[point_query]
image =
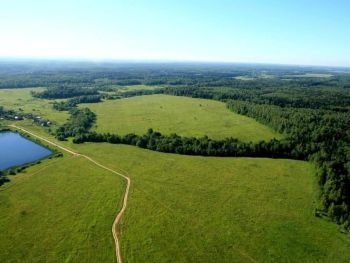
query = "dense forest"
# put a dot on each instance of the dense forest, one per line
(309, 105)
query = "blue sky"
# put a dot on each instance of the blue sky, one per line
(264, 31)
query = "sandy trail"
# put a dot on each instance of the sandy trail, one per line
(125, 198)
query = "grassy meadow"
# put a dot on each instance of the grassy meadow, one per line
(59, 211)
(200, 209)
(181, 115)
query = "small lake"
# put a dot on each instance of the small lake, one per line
(17, 150)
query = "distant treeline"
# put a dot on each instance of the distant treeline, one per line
(63, 92)
(51, 74)
(337, 99)
(77, 95)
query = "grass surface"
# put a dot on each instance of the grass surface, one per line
(59, 211)
(21, 100)
(197, 209)
(181, 115)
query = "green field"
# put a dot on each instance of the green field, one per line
(20, 100)
(59, 211)
(181, 115)
(181, 209)
(197, 209)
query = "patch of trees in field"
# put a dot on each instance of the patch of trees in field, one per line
(205, 146)
(80, 121)
(73, 102)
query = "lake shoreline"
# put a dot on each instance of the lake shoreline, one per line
(34, 152)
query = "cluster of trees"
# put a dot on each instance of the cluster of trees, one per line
(64, 92)
(140, 92)
(80, 121)
(73, 102)
(205, 146)
(10, 114)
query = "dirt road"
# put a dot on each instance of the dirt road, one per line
(126, 194)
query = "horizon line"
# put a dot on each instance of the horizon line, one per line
(159, 61)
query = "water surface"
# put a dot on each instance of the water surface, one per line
(17, 150)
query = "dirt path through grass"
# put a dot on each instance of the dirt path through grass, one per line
(126, 194)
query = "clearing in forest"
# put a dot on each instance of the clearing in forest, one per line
(181, 115)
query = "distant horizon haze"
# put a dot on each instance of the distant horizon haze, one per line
(159, 61)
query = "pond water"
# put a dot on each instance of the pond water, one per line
(17, 150)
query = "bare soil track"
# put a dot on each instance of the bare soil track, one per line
(126, 193)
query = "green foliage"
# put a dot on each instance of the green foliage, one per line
(73, 102)
(205, 146)
(63, 92)
(80, 122)
(334, 98)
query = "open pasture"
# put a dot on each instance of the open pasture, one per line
(182, 115)
(200, 209)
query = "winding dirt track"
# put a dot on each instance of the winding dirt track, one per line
(126, 194)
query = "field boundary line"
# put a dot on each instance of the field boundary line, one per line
(126, 193)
